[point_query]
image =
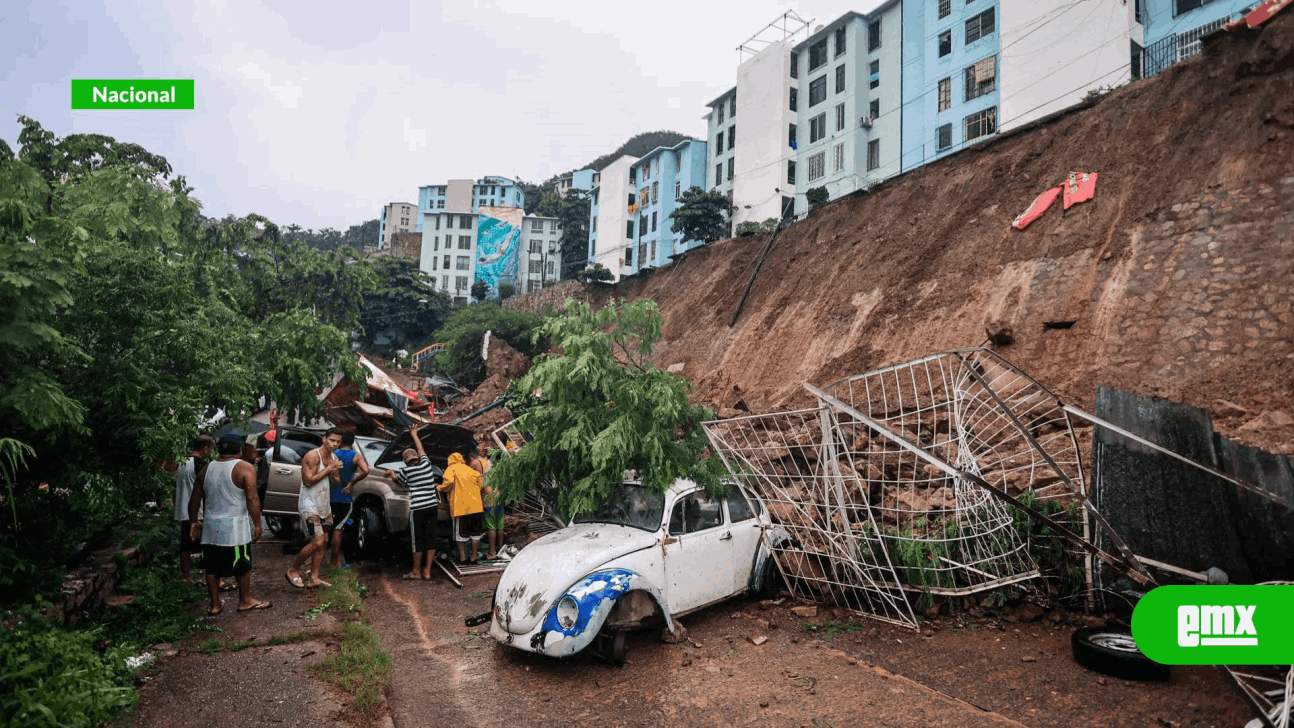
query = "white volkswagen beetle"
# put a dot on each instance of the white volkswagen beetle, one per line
(639, 558)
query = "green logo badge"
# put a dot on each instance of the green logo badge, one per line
(1216, 625)
(132, 94)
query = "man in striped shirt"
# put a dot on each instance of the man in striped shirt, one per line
(419, 478)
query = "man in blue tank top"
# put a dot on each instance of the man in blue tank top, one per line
(354, 468)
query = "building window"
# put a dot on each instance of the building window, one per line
(732, 135)
(647, 171)
(552, 246)
(731, 162)
(840, 41)
(718, 174)
(434, 261)
(536, 266)
(945, 43)
(537, 226)
(817, 55)
(536, 246)
(817, 91)
(629, 229)
(464, 262)
(838, 157)
(642, 226)
(552, 226)
(873, 154)
(720, 110)
(795, 64)
(874, 109)
(444, 282)
(460, 283)
(655, 192)
(945, 136)
(552, 266)
(677, 188)
(718, 145)
(840, 117)
(840, 79)
(446, 263)
(438, 222)
(532, 286)
(981, 78)
(790, 172)
(1185, 6)
(653, 222)
(464, 242)
(979, 26)
(793, 100)
(790, 136)
(629, 255)
(874, 73)
(945, 93)
(594, 227)
(945, 8)
(465, 222)
(816, 166)
(732, 112)
(874, 35)
(656, 161)
(817, 128)
(435, 243)
(981, 123)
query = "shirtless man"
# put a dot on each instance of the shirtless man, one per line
(320, 469)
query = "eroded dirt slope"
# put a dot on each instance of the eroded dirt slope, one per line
(1178, 277)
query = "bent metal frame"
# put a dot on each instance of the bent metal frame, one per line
(899, 483)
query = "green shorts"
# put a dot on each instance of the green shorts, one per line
(493, 517)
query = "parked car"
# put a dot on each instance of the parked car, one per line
(381, 506)
(639, 560)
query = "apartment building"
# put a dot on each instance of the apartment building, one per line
(496, 244)
(449, 251)
(583, 180)
(466, 195)
(721, 137)
(1173, 28)
(849, 120)
(540, 253)
(661, 176)
(396, 217)
(611, 224)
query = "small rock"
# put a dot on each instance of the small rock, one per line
(851, 660)
(1269, 420)
(1028, 658)
(678, 635)
(805, 612)
(675, 368)
(1091, 620)
(1101, 680)
(1222, 408)
(763, 703)
(1029, 612)
(757, 640)
(795, 639)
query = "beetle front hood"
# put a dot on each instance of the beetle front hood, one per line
(544, 570)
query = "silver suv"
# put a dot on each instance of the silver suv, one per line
(381, 506)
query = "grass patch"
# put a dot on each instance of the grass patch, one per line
(345, 597)
(210, 646)
(360, 666)
(480, 594)
(830, 629)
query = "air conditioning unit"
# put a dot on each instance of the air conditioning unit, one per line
(865, 122)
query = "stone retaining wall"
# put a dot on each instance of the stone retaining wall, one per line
(551, 298)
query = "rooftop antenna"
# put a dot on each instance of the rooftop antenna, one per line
(787, 25)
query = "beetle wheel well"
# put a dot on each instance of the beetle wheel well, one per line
(635, 608)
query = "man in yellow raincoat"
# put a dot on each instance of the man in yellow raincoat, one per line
(462, 485)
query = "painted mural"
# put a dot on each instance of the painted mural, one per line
(498, 241)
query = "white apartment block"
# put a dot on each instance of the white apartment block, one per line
(397, 217)
(540, 253)
(611, 229)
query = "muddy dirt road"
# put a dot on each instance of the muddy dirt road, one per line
(980, 672)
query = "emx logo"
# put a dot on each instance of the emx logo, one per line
(1216, 625)
(1219, 623)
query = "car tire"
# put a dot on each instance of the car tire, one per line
(617, 646)
(770, 581)
(1112, 651)
(280, 526)
(368, 530)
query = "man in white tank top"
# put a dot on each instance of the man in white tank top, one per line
(226, 492)
(320, 469)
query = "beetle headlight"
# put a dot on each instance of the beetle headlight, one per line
(568, 611)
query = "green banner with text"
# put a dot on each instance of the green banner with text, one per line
(136, 93)
(1216, 625)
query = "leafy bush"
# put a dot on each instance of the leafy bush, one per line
(466, 327)
(816, 197)
(595, 273)
(59, 677)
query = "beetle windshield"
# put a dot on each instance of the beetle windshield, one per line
(628, 505)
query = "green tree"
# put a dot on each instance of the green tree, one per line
(816, 197)
(594, 274)
(506, 291)
(128, 316)
(573, 216)
(480, 290)
(701, 215)
(605, 409)
(464, 330)
(406, 307)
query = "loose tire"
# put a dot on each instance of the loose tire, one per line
(1113, 652)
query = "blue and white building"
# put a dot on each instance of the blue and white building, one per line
(1173, 28)
(465, 195)
(581, 180)
(661, 176)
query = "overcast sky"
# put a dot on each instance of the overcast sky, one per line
(318, 113)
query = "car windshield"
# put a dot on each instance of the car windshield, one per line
(628, 505)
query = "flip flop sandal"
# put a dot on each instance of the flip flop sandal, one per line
(258, 605)
(295, 581)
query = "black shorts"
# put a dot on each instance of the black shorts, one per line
(187, 544)
(469, 527)
(226, 560)
(422, 529)
(341, 515)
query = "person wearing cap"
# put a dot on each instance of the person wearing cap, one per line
(419, 479)
(320, 469)
(225, 492)
(185, 474)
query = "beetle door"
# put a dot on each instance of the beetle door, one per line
(745, 536)
(699, 562)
